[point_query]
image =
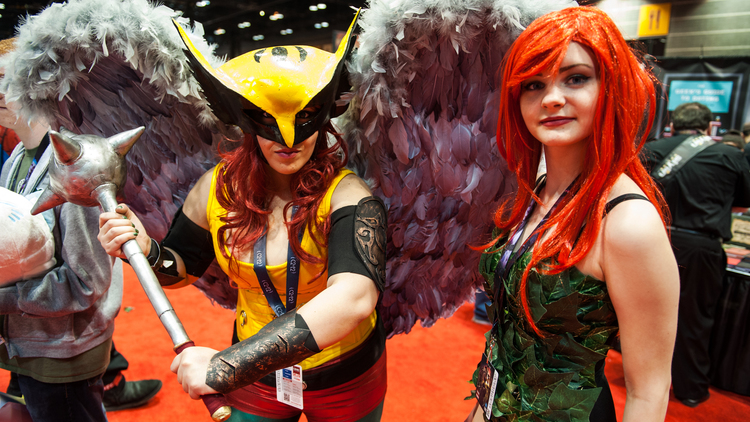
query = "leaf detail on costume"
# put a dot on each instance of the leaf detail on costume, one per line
(551, 378)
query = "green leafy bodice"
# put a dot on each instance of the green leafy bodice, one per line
(550, 378)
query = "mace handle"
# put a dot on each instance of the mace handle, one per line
(216, 403)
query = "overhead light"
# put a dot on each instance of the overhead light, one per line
(220, 31)
(262, 13)
(313, 8)
(2, 5)
(286, 31)
(324, 24)
(276, 16)
(321, 6)
(318, 26)
(202, 3)
(243, 25)
(258, 37)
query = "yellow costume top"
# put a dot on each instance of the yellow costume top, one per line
(253, 311)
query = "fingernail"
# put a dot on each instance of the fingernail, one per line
(125, 217)
(119, 207)
(132, 224)
(136, 232)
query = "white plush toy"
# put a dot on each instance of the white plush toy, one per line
(27, 247)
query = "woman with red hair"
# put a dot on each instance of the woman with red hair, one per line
(582, 251)
(300, 237)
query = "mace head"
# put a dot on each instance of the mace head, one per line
(84, 166)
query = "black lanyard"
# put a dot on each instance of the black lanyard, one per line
(508, 257)
(292, 275)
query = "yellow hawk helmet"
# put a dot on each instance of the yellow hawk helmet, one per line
(284, 93)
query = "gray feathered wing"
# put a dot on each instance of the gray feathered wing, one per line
(421, 130)
(102, 67)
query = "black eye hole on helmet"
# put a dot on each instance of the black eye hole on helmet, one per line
(258, 115)
(307, 114)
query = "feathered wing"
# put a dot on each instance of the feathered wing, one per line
(421, 130)
(105, 66)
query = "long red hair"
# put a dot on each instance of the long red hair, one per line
(624, 114)
(242, 190)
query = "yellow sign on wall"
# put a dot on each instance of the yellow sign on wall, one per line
(653, 20)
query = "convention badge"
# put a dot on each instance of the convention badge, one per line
(487, 383)
(289, 386)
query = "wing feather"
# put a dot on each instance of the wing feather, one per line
(104, 66)
(427, 71)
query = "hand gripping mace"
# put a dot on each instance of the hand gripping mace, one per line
(89, 170)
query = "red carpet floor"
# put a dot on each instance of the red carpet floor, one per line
(428, 369)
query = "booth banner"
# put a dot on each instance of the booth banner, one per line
(721, 83)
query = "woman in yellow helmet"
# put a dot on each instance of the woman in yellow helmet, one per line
(301, 237)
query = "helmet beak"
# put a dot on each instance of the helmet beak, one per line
(286, 127)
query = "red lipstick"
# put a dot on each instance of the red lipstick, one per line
(556, 121)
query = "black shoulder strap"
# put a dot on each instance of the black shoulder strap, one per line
(622, 198)
(679, 156)
(539, 180)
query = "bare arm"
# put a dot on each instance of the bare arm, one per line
(643, 282)
(349, 298)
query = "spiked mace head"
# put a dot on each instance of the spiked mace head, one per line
(84, 167)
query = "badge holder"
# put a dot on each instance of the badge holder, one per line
(487, 383)
(289, 386)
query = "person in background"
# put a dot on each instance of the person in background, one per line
(59, 324)
(746, 134)
(8, 141)
(582, 252)
(734, 138)
(712, 179)
(481, 300)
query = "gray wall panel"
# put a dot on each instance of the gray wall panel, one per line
(697, 27)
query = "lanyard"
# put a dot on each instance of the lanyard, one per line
(292, 275)
(508, 258)
(39, 152)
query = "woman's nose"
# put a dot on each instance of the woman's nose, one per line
(553, 97)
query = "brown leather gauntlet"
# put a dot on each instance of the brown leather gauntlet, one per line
(285, 341)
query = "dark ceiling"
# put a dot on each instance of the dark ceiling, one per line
(228, 14)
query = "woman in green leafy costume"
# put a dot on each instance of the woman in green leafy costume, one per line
(581, 252)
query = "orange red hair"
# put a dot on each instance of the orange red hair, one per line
(624, 115)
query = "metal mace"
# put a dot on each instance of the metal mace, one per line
(88, 170)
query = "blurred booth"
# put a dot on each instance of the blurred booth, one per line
(730, 340)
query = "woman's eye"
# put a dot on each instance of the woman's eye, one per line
(532, 86)
(578, 79)
(267, 118)
(261, 116)
(307, 114)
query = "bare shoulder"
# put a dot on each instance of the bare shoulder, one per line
(197, 200)
(632, 226)
(349, 191)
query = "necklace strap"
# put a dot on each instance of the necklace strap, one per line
(292, 275)
(510, 255)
